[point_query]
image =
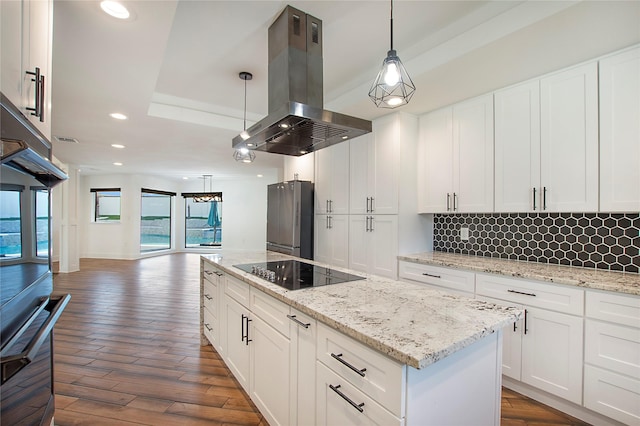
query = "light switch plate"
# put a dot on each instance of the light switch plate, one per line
(464, 234)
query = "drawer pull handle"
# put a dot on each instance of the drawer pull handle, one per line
(346, 398)
(218, 273)
(207, 272)
(431, 275)
(521, 292)
(208, 326)
(339, 358)
(297, 321)
(208, 297)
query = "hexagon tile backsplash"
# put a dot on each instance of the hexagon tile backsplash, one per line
(591, 240)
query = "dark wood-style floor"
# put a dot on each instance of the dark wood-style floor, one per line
(128, 352)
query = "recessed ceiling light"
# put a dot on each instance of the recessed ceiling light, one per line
(185, 178)
(259, 175)
(115, 9)
(118, 116)
(117, 145)
(117, 164)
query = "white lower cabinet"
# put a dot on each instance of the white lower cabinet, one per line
(543, 350)
(439, 278)
(341, 403)
(373, 244)
(303, 368)
(237, 355)
(332, 240)
(612, 356)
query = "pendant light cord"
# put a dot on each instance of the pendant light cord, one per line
(244, 122)
(391, 25)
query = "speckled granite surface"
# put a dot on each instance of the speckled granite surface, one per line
(415, 325)
(621, 282)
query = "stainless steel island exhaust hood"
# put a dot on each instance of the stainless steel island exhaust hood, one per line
(297, 123)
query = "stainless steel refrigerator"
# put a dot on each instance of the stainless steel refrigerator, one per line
(290, 218)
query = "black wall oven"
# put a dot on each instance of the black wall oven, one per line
(28, 309)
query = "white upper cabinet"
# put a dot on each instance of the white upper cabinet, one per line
(569, 140)
(517, 148)
(620, 132)
(435, 162)
(27, 34)
(332, 175)
(456, 153)
(473, 155)
(374, 168)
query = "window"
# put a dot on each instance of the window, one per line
(10, 223)
(203, 223)
(106, 205)
(41, 218)
(155, 220)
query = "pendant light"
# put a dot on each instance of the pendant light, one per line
(205, 196)
(243, 153)
(393, 86)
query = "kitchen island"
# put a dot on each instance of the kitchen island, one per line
(368, 351)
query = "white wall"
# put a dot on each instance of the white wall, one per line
(244, 214)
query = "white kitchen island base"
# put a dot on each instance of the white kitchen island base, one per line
(463, 389)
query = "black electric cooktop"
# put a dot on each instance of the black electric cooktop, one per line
(295, 275)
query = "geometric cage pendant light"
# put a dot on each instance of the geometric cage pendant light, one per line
(243, 153)
(392, 87)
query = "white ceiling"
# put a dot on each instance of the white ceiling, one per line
(173, 68)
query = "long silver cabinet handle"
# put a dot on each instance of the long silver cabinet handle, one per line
(371, 210)
(534, 198)
(346, 398)
(448, 202)
(297, 321)
(342, 361)
(521, 292)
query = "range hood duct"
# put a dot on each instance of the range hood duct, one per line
(297, 123)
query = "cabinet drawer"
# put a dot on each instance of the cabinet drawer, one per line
(532, 293)
(618, 308)
(373, 373)
(210, 327)
(271, 310)
(210, 297)
(210, 272)
(612, 394)
(237, 290)
(336, 398)
(612, 346)
(443, 277)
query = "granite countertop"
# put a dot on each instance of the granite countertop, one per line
(412, 324)
(621, 282)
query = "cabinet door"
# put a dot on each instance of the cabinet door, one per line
(270, 372)
(473, 155)
(339, 201)
(383, 246)
(359, 242)
(517, 148)
(37, 19)
(332, 240)
(11, 45)
(322, 187)
(552, 353)
(322, 250)
(237, 351)
(620, 132)
(435, 162)
(384, 164)
(359, 191)
(303, 368)
(569, 140)
(511, 343)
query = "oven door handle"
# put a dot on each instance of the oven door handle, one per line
(11, 365)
